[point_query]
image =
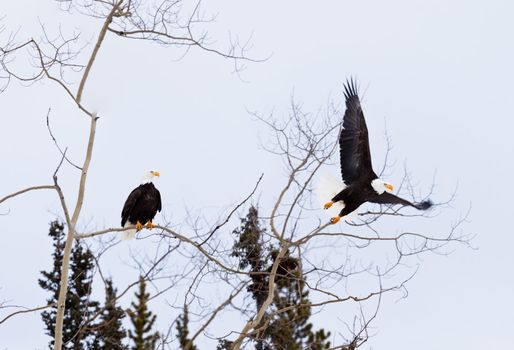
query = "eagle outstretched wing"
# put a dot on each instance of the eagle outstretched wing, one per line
(130, 203)
(389, 198)
(353, 140)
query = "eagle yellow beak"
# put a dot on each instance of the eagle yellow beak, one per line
(389, 187)
(156, 173)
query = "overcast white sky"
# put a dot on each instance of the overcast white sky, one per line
(440, 72)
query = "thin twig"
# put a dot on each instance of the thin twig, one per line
(63, 153)
(233, 211)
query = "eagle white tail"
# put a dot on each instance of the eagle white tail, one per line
(328, 186)
(129, 234)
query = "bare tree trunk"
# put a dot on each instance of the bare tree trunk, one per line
(63, 285)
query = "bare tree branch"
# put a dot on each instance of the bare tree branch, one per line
(33, 188)
(271, 288)
(38, 308)
(214, 313)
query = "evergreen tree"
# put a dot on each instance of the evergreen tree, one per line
(142, 320)
(224, 344)
(77, 335)
(183, 331)
(288, 330)
(78, 302)
(291, 329)
(251, 253)
(110, 332)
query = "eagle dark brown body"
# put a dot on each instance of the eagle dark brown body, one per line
(141, 205)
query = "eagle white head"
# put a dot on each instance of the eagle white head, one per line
(380, 186)
(149, 176)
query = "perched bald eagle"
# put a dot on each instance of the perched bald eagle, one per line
(141, 206)
(361, 184)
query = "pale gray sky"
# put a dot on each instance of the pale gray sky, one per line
(440, 73)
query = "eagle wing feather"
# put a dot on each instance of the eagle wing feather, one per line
(355, 155)
(389, 198)
(130, 203)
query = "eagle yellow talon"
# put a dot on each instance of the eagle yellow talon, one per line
(149, 225)
(328, 205)
(139, 226)
(335, 219)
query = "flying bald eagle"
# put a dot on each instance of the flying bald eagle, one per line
(141, 205)
(361, 184)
